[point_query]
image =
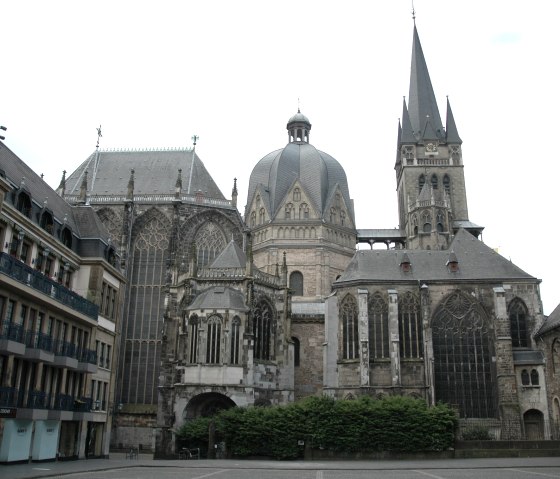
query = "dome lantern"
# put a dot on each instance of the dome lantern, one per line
(298, 128)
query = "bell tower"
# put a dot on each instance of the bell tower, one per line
(429, 165)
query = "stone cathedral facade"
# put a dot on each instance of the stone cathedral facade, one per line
(223, 310)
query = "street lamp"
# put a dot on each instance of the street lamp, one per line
(2, 127)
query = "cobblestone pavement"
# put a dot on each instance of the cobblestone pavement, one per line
(118, 467)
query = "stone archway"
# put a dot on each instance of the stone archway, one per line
(206, 405)
(534, 425)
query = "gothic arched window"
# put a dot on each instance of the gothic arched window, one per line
(426, 222)
(556, 356)
(534, 377)
(304, 211)
(297, 194)
(210, 241)
(440, 222)
(296, 351)
(288, 211)
(262, 216)
(463, 367)
(350, 338)
(525, 381)
(253, 221)
(518, 323)
(213, 339)
(378, 314)
(296, 283)
(235, 337)
(447, 183)
(410, 327)
(434, 181)
(262, 330)
(421, 182)
(193, 339)
(333, 215)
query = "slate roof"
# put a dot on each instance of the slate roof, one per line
(476, 262)
(529, 356)
(421, 97)
(82, 220)
(88, 224)
(15, 169)
(318, 173)
(155, 172)
(551, 322)
(220, 297)
(231, 257)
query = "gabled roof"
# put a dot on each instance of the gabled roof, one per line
(551, 322)
(155, 172)
(476, 262)
(220, 297)
(231, 257)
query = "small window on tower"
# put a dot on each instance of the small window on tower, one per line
(434, 182)
(421, 181)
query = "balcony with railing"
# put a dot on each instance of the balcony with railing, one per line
(65, 354)
(87, 360)
(23, 273)
(39, 346)
(12, 338)
(8, 397)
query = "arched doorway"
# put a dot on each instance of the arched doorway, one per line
(206, 405)
(534, 425)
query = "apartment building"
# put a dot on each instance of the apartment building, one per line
(60, 303)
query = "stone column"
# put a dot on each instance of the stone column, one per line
(363, 329)
(508, 401)
(394, 346)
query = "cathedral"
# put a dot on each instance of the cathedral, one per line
(227, 310)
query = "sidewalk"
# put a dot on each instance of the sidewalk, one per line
(118, 461)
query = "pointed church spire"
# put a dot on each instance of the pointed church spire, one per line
(61, 190)
(407, 134)
(234, 193)
(422, 105)
(450, 127)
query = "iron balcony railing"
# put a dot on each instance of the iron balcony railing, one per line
(12, 332)
(64, 348)
(25, 274)
(87, 356)
(32, 399)
(38, 340)
(8, 397)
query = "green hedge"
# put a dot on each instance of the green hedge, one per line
(395, 423)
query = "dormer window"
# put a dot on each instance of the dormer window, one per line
(47, 222)
(66, 237)
(452, 263)
(406, 266)
(23, 203)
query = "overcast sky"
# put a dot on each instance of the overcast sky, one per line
(155, 73)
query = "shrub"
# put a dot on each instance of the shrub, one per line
(476, 433)
(363, 425)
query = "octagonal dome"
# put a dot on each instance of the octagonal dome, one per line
(318, 173)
